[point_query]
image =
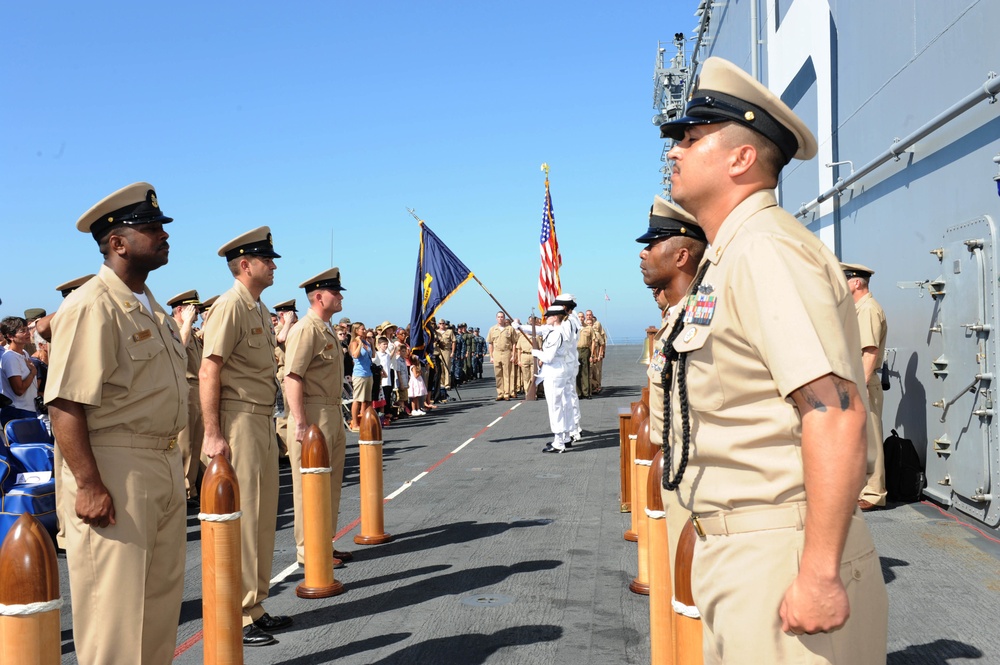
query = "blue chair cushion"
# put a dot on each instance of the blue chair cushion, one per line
(26, 430)
(32, 456)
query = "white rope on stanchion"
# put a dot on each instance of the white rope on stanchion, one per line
(656, 514)
(644, 462)
(227, 517)
(689, 611)
(318, 469)
(370, 443)
(30, 608)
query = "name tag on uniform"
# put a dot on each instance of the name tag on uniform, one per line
(256, 331)
(699, 309)
(142, 334)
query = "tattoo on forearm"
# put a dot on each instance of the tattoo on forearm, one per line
(843, 391)
(813, 399)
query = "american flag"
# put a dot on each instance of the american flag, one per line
(548, 277)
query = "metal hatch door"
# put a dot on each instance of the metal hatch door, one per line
(964, 424)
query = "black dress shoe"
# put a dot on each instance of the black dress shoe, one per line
(255, 637)
(551, 449)
(343, 556)
(268, 623)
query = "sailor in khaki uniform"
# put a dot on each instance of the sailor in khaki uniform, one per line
(185, 308)
(767, 444)
(314, 376)
(600, 346)
(674, 247)
(117, 398)
(238, 392)
(444, 342)
(871, 323)
(500, 342)
(286, 316)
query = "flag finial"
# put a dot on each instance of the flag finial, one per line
(545, 168)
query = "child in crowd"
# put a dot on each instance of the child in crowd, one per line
(383, 358)
(417, 387)
(402, 377)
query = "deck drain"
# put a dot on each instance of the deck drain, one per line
(548, 475)
(487, 600)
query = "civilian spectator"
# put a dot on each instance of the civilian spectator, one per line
(18, 373)
(361, 352)
(417, 388)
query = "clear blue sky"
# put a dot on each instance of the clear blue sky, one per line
(325, 121)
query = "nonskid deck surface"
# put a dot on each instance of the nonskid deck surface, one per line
(505, 555)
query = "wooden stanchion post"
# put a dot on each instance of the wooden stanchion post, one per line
(640, 413)
(221, 584)
(644, 452)
(29, 595)
(687, 621)
(625, 484)
(317, 518)
(661, 614)
(372, 516)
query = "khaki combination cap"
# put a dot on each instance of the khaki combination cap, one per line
(72, 285)
(286, 306)
(33, 313)
(130, 206)
(208, 302)
(185, 298)
(856, 270)
(328, 279)
(668, 219)
(252, 243)
(723, 92)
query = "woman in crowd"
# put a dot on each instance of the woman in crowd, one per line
(17, 372)
(361, 352)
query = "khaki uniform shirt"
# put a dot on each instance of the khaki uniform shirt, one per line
(240, 333)
(193, 348)
(773, 313)
(600, 336)
(123, 364)
(586, 338)
(523, 345)
(502, 339)
(444, 340)
(314, 354)
(873, 328)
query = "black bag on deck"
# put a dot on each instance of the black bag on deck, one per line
(904, 475)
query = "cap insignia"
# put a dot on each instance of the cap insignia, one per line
(749, 116)
(152, 200)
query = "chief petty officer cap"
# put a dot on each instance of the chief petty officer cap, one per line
(724, 92)
(856, 270)
(566, 299)
(555, 309)
(207, 303)
(129, 206)
(33, 313)
(667, 219)
(186, 298)
(287, 306)
(328, 279)
(72, 285)
(252, 243)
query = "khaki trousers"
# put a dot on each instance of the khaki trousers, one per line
(525, 367)
(445, 367)
(189, 441)
(583, 372)
(874, 491)
(331, 424)
(127, 580)
(503, 368)
(596, 369)
(739, 580)
(255, 460)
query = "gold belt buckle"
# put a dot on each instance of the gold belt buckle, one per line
(697, 526)
(170, 445)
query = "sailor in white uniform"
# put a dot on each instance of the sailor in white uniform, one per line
(558, 374)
